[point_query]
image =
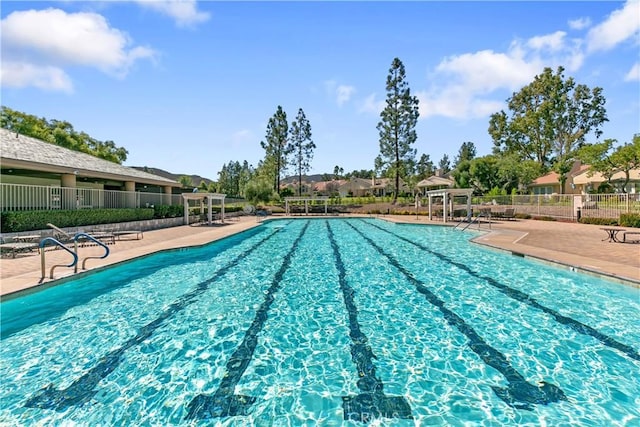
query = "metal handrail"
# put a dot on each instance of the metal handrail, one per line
(93, 239)
(42, 257)
(474, 220)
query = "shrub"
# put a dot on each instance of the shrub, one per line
(11, 221)
(630, 220)
(598, 221)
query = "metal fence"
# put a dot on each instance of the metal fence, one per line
(17, 197)
(567, 206)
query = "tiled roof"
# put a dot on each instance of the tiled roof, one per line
(550, 178)
(26, 149)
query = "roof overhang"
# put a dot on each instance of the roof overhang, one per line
(79, 172)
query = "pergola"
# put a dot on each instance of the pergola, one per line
(306, 201)
(447, 200)
(201, 196)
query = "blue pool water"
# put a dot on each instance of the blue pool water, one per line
(325, 322)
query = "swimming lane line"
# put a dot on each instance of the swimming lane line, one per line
(527, 299)
(83, 389)
(224, 402)
(519, 393)
(372, 402)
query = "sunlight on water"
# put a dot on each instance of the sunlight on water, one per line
(325, 322)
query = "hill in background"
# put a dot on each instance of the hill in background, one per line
(195, 179)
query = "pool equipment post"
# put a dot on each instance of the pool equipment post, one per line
(372, 402)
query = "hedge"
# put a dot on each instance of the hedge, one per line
(630, 220)
(14, 221)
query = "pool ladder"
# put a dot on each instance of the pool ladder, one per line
(470, 220)
(73, 253)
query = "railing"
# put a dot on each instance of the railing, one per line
(93, 239)
(566, 206)
(18, 197)
(43, 243)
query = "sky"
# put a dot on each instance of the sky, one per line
(188, 86)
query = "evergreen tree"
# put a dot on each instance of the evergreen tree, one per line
(277, 147)
(302, 146)
(467, 152)
(397, 127)
(444, 164)
(424, 167)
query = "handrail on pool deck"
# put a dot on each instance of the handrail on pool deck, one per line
(42, 260)
(93, 239)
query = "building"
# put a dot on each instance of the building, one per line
(26, 161)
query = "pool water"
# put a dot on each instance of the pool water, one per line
(325, 322)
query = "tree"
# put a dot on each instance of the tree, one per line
(258, 192)
(276, 146)
(337, 172)
(397, 127)
(601, 158)
(467, 152)
(302, 146)
(550, 119)
(185, 181)
(516, 174)
(60, 133)
(444, 164)
(424, 167)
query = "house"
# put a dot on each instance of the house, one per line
(436, 182)
(550, 183)
(581, 180)
(29, 161)
(589, 182)
(377, 187)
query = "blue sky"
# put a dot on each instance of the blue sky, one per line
(188, 86)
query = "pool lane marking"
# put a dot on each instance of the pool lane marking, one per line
(83, 389)
(527, 299)
(224, 402)
(519, 393)
(371, 402)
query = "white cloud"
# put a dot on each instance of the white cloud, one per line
(185, 12)
(621, 25)
(50, 39)
(553, 42)
(371, 105)
(463, 86)
(580, 23)
(634, 73)
(344, 93)
(19, 75)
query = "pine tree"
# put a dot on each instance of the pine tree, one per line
(397, 126)
(276, 146)
(302, 146)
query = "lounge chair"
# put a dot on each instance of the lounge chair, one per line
(9, 245)
(509, 214)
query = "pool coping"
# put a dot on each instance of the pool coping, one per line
(498, 238)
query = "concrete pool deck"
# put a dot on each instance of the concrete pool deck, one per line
(580, 246)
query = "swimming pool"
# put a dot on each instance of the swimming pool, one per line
(325, 322)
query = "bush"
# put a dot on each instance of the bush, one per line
(598, 221)
(11, 221)
(630, 220)
(168, 211)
